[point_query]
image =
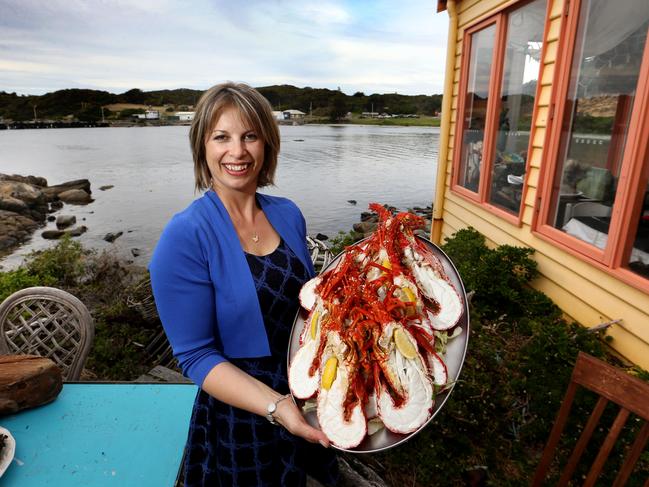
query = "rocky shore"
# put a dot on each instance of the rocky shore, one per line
(26, 203)
(368, 222)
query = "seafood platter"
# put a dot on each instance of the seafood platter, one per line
(381, 338)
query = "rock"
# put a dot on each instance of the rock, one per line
(111, 237)
(75, 232)
(105, 187)
(321, 236)
(75, 196)
(136, 252)
(364, 227)
(55, 206)
(15, 228)
(367, 216)
(352, 202)
(56, 234)
(51, 218)
(27, 381)
(53, 192)
(33, 180)
(355, 473)
(52, 234)
(64, 221)
(30, 194)
(13, 204)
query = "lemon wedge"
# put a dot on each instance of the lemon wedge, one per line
(314, 324)
(329, 373)
(404, 345)
(407, 296)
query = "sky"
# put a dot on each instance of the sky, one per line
(372, 46)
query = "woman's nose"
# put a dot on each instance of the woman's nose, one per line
(238, 148)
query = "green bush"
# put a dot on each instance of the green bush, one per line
(63, 264)
(342, 240)
(18, 279)
(102, 282)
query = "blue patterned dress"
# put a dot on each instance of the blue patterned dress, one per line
(231, 447)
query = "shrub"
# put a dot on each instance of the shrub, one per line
(342, 240)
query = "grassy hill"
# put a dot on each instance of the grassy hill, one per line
(86, 105)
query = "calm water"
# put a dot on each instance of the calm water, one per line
(320, 168)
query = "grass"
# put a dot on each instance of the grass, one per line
(422, 121)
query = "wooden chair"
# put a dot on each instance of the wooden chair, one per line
(611, 384)
(48, 322)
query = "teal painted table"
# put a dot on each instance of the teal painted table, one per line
(102, 434)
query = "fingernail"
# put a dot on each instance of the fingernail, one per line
(323, 444)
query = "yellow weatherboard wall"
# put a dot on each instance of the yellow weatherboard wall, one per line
(585, 293)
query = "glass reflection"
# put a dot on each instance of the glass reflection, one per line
(475, 108)
(518, 90)
(604, 75)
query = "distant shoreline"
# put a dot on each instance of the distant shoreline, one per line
(49, 124)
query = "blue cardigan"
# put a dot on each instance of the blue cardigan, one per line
(203, 288)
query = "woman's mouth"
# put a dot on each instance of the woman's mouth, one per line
(237, 169)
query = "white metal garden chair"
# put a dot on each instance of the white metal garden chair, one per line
(48, 322)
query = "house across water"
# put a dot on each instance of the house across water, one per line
(545, 144)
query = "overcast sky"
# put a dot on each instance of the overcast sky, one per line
(374, 46)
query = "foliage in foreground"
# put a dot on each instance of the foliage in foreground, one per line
(519, 360)
(102, 282)
(497, 420)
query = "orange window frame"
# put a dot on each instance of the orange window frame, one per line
(634, 173)
(499, 19)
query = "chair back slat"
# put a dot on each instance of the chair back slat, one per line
(584, 438)
(612, 385)
(555, 435)
(633, 456)
(606, 448)
(48, 322)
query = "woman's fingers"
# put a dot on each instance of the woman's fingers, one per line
(291, 418)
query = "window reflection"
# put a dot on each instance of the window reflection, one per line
(475, 109)
(604, 75)
(518, 90)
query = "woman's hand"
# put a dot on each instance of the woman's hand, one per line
(289, 416)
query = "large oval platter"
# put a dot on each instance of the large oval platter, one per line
(454, 359)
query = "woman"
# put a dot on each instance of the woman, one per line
(225, 276)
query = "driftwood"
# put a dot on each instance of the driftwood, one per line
(27, 381)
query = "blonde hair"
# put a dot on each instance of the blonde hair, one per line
(253, 108)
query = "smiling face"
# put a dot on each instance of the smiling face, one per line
(234, 152)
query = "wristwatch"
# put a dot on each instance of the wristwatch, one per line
(272, 407)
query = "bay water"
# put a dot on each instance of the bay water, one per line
(321, 168)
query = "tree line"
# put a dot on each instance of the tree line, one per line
(86, 105)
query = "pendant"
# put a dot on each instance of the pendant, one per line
(255, 238)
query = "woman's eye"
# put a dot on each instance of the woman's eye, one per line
(250, 137)
(219, 137)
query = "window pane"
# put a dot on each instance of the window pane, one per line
(475, 109)
(518, 90)
(604, 76)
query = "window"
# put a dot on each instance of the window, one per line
(590, 202)
(497, 106)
